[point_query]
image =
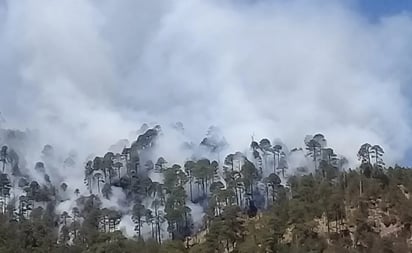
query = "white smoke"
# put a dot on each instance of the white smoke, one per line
(85, 73)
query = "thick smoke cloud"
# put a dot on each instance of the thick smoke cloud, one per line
(85, 74)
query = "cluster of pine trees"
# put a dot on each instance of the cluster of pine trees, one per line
(252, 201)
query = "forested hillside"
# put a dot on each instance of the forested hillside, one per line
(268, 198)
(205, 126)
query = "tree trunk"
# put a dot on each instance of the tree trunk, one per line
(89, 184)
(186, 221)
(274, 162)
(206, 190)
(158, 239)
(140, 227)
(360, 186)
(105, 174)
(336, 220)
(273, 194)
(376, 158)
(191, 190)
(156, 234)
(251, 189)
(240, 198)
(327, 221)
(369, 156)
(203, 187)
(158, 230)
(278, 160)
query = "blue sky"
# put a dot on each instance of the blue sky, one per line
(375, 9)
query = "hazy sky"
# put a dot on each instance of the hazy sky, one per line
(375, 10)
(85, 73)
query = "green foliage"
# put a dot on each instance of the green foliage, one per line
(322, 208)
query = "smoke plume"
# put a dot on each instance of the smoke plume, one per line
(81, 75)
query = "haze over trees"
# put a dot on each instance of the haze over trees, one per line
(244, 202)
(80, 176)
